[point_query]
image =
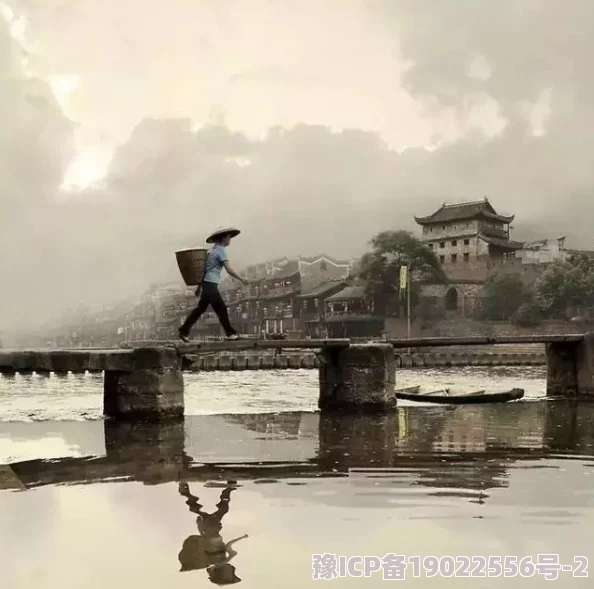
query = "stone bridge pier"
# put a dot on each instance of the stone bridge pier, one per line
(151, 386)
(357, 378)
(570, 368)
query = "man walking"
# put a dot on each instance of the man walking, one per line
(216, 260)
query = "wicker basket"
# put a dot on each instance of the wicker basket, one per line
(191, 265)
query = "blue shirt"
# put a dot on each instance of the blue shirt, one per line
(214, 264)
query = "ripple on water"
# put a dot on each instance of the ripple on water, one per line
(79, 397)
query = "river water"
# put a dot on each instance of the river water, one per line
(90, 504)
(75, 397)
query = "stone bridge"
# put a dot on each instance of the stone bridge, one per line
(147, 382)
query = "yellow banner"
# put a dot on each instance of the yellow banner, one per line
(403, 277)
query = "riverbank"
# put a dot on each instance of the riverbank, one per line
(309, 361)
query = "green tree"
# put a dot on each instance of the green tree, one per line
(381, 268)
(529, 314)
(566, 286)
(504, 294)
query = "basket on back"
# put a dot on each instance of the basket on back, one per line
(191, 264)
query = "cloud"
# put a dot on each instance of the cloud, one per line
(35, 147)
(301, 122)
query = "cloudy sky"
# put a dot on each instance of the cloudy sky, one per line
(134, 127)
(249, 65)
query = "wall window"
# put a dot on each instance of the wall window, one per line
(466, 257)
(467, 242)
(442, 244)
(442, 259)
(454, 258)
(454, 243)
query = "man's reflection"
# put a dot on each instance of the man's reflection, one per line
(208, 550)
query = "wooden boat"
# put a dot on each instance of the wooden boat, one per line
(449, 396)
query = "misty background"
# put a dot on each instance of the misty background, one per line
(131, 129)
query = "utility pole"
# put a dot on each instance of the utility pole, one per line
(408, 302)
(405, 287)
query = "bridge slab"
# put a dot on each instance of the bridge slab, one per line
(68, 360)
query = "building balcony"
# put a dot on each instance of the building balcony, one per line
(361, 317)
(348, 313)
(280, 291)
(278, 315)
(312, 316)
(245, 316)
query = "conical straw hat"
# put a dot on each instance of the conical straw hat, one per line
(221, 231)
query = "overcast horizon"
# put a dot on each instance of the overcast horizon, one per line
(132, 129)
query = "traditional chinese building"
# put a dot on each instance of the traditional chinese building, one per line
(140, 320)
(471, 240)
(312, 308)
(281, 307)
(271, 303)
(466, 236)
(350, 313)
(277, 303)
(170, 310)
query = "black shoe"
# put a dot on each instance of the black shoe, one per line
(182, 336)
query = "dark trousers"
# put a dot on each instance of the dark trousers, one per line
(209, 296)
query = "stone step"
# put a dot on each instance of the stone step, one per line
(308, 361)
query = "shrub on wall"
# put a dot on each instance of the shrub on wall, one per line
(566, 285)
(429, 310)
(528, 315)
(504, 294)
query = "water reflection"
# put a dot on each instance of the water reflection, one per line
(464, 448)
(469, 479)
(208, 550)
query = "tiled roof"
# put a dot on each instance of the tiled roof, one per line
(504, 243)
(289, 269)
(313, 259)
(465, 210)
(321, 289)
(350, 292)
(280, 294)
